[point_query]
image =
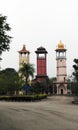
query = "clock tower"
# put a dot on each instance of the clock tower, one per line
(61, 68)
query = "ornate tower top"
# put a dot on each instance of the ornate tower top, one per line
(23, 56)
(23, 50)
(60, 46)
(41, 50)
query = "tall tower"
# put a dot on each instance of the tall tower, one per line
(23, 56)
(41, 64)
(61, 69)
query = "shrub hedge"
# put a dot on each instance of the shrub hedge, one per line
(23, 97)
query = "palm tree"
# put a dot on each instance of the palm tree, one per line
(26, 71)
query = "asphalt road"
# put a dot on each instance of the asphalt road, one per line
(54, 113)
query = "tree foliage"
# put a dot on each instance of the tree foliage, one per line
(5, 39)
(74, 85)
(9, 81)
(75, 73)
(26, 71)
(52, 86)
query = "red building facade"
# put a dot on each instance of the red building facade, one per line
(41, 64)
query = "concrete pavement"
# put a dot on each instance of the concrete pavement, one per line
(54, 113)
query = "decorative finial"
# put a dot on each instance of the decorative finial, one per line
(60, 45)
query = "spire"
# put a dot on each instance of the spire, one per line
(60, 45)
(23, 50)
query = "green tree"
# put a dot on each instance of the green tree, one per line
(75, 73)
(9, 81)
(52, 85)
(5, 39)
(26, 71)
(69, 84)
(37, 87)
(75, 79)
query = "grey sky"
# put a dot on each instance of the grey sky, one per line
(41, 23)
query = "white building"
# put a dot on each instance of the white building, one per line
(61, 68)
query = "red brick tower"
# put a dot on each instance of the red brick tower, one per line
(41, 64)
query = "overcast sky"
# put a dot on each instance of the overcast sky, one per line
(38, 23)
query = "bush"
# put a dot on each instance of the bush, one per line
(23, 97)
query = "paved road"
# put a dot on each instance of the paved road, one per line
(54, 113)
